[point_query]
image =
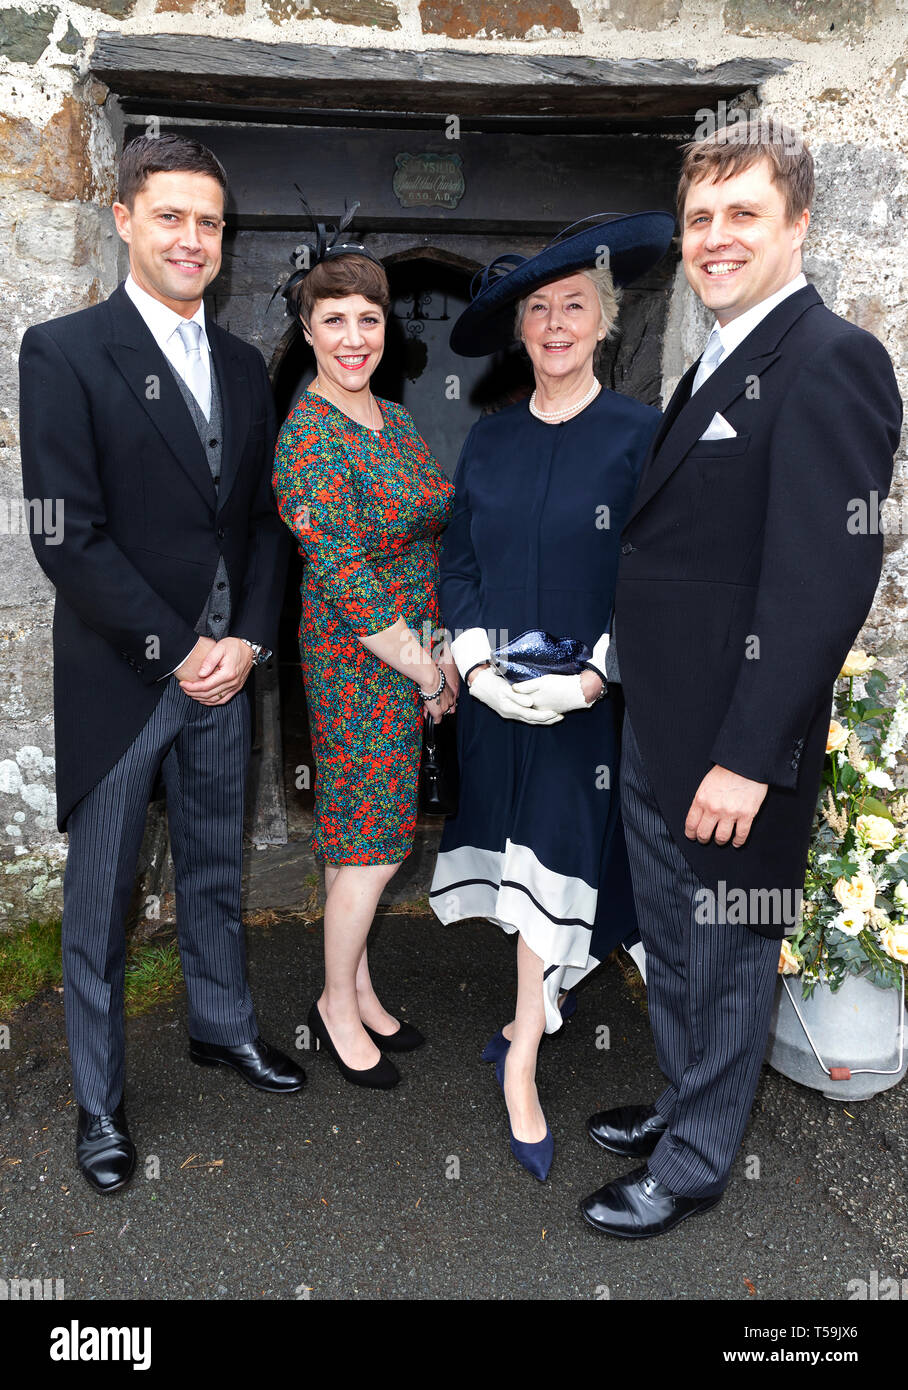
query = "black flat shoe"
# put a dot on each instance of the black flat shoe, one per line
(381, 1077)
(639, 1205)
(262, 1065)
(104, 1151)
(406, 1039)
(631, 1130)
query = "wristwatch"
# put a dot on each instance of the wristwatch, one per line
(260, 654)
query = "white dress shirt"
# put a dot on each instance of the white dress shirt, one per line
(730, 336)
(163, 324)
(734, 333)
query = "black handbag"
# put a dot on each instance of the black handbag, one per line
(439, 775)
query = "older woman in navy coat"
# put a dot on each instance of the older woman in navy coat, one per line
(542, 491)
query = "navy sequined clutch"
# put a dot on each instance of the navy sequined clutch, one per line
(537, 653)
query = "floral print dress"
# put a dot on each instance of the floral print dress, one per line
(366, 507)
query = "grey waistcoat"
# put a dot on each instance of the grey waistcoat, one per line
(214, 619)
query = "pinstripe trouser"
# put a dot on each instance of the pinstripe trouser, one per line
(202, 752)
(710, 989)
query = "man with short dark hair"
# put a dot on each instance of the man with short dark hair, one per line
(741, 589)
(156, 429)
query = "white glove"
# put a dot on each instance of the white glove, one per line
(493, 690)
(561, 693)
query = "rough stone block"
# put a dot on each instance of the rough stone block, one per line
(853, 177)
(810, 20)
(466, 19)
(118, 8)
(377, 14)
(28, 827)
(637, 14)
(23, 35)
(31, 885)
(26, 666)
(72, 40)
(54, 233)
(54, 158)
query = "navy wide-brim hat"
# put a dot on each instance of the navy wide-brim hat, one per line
(635, 242)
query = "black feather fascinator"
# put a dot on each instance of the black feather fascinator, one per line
(330, 242)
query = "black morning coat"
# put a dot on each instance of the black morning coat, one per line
(743, 581)
(104, 428)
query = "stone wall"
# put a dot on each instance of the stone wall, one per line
(847, 86)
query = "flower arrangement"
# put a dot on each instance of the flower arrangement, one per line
(854, 916)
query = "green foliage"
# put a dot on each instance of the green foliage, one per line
(29, 962)
(846, 928)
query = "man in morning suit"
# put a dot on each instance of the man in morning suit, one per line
(156, 429)
(741, 589)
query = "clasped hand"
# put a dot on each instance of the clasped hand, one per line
(561, 693)
(493, 690)
(214, 671)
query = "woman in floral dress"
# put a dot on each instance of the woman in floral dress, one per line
(366, 502)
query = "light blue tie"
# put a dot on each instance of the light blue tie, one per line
(709, 361)
(195, 370)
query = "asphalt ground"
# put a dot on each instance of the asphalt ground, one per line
(340, 1193)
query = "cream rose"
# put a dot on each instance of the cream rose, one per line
(857, 663)
(789, 962)
(900, 894)
(894, 941)
(858, 892)
(877, 831)
(851, 921)
(838, 736)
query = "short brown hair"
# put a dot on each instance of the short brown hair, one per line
(739, 146)
(338, 277)
(164, 154)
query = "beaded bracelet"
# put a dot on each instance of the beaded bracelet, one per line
(435, 693)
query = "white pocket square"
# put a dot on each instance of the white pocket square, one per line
(719, 428)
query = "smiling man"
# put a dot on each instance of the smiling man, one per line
(156, 428)
(740, 591)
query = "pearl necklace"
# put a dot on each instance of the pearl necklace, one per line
(554, 415)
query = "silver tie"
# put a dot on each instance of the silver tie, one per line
(709, 361)
(196, 372)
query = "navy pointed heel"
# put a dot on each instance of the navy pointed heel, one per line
(497, 1047)
(569, 1006)
(535, 1158)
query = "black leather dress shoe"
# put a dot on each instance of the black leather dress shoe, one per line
(406, 1039)
(632, 1130)
(257, 1062)
(104, 1151)
(639, 1205)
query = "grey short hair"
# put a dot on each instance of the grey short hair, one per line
(606, 292)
